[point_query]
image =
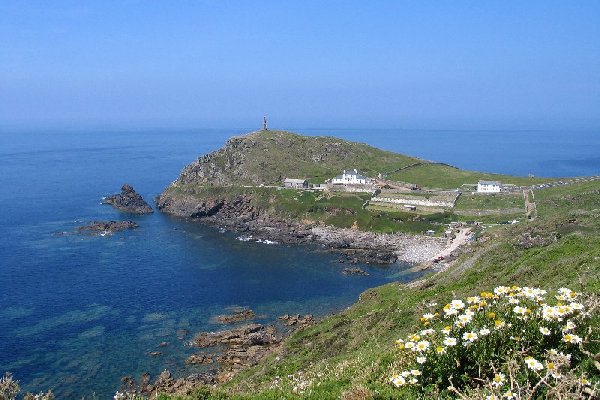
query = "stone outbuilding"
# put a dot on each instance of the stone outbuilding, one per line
(295, 183)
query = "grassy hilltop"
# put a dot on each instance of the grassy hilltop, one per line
(268, 157)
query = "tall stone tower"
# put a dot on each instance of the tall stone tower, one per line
(265, 123)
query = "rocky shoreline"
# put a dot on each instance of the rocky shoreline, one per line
(240, 216)
(223, 353)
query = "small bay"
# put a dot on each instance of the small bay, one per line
(79, 312)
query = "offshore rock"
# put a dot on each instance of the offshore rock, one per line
(128, 201)
(238, 315)
(103, 228)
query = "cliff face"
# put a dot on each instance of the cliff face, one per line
(190, 206)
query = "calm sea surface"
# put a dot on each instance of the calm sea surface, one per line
(79, 312)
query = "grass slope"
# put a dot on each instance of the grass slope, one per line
(447, 177)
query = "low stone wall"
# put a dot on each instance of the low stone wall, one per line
(353, 189)
(413, 202)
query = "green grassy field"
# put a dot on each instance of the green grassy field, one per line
(447, 177)
(469, 201)
(351, 354)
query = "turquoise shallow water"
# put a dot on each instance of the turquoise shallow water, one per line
(79, 312)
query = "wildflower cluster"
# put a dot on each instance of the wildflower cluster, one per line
(471, 341)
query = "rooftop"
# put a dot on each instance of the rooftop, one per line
(291, 180)
(494, 183)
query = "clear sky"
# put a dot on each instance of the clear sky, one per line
(419, 64)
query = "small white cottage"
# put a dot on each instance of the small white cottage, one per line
(489, 187)
(352, 177)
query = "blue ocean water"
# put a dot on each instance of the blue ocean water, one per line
(79, 312)
(561, 153)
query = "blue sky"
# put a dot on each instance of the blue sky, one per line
(424, 65)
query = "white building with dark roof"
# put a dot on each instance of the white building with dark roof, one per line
(489, 187)
(352, 177)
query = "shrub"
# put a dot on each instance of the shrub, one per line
(9, 388)
(510, 343)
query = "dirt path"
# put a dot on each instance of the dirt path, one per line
(530, 206)
(461, 238)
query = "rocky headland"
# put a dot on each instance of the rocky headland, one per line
(128, 201)
(229, 188)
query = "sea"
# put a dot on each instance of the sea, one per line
(79, 312)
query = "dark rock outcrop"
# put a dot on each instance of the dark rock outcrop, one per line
(297, 320)
(166, 383)
(238, 209)
(234, 350)
(106, 227)
(240, 215)
(244, 346)
(199, 359)
(245, 335)
(128, 201)
(238, 315)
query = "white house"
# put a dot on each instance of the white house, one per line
(489, 187)
(350, 178)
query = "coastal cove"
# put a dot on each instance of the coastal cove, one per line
(78, 309)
